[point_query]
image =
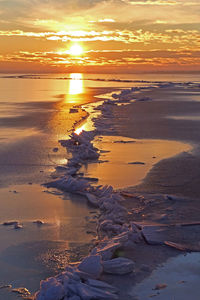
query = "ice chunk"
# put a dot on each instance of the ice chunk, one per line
(144, 99)
(73, 110)
(106, 250)
(69, 184)
(120, 265)
(91, 265)
(18, 226)
(50, 289)
(136, 163)
(6, 286)
(21, 291)
(38, 222)
(92, 199)
(9, 223)
(101, 285)
(91, 293)
(75, 297)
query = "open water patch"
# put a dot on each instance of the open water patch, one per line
(125, 162)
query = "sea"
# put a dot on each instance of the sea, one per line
(34, 116)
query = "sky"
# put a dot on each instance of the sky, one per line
(115, 35)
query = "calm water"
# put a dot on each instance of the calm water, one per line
(35, 108)
(127, 164)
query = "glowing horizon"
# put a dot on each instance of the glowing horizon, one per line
(112, 35)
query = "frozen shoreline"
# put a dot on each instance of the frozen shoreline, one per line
(113, 220)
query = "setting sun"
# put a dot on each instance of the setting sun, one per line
(76, 50)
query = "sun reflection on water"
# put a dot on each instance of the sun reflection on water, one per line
(81, 128)
(75, 84)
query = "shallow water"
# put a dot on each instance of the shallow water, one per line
(129, 160)
(34, 117)
(37, 251)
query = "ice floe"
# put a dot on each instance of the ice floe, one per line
(38, 222)
(15, 224)
(18, 226)
(136, 163)
(9, 223)
(106, 249)
(6, 286)
(22, 292)
(91, 265)
(73, 110)
(124, 142)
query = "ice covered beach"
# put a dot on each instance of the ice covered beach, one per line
(138, 228)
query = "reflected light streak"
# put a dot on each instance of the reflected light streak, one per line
(81, 128)
(76, 84)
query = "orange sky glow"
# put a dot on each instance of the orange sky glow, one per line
(112, 36)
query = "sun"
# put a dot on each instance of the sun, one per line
(76, 50)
